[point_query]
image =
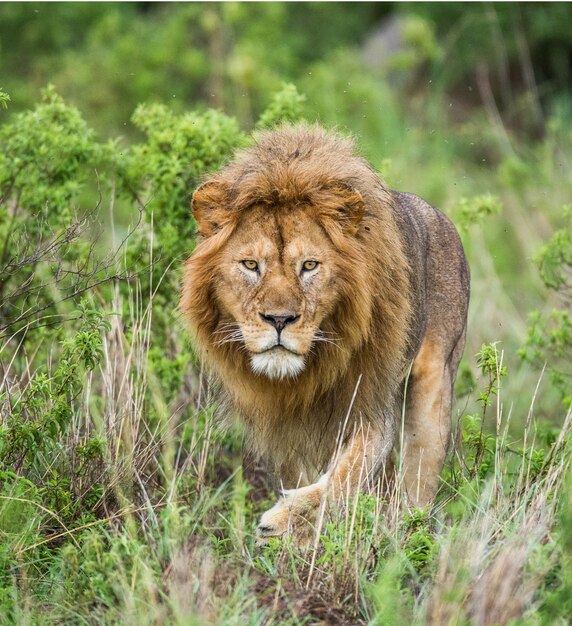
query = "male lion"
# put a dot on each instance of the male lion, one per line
(314, 294)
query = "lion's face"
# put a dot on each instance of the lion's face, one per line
(275, 286)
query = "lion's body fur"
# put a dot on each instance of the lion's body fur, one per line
(384, 310)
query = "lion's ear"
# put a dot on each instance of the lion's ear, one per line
(352, 206)
(209, 207)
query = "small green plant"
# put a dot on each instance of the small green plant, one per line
(420, 545)
(4, 99)
(480, 445)
(489, 361)
(549, 338)
(39, 415)
(286, 106)
(477, 209)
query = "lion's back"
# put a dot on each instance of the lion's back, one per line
(439, 270)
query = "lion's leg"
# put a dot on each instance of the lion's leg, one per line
(358, 464)
(427, 421)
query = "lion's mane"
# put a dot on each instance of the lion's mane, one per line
(306, 165)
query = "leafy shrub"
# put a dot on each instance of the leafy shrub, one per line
(160, 175)
(286, 106)
(549, 339)
(47, 162)
(38, 416)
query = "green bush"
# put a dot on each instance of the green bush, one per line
(549, 339)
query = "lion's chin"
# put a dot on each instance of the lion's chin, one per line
(277, 363)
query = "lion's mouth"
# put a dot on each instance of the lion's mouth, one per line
(279, 349)
(277, 362)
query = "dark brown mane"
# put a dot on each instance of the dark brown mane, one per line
(294, 165)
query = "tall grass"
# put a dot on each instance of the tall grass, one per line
(168, 538)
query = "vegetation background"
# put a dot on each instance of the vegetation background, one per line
(120, 503)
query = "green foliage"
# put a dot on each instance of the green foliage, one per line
(48, 162)
(223, 55)
(393, 599)
(554, 259)
(478, 209)
(549, 338)
(286, 106)
(559, 599)
(420, 45)
(479, 447)
(160, 175)
(231, 55)
(43, 158)
(420, 545)
(96, 570)
(351, 98)
(465, 383)
(4, 99)
(490, 363)
(40, 414)
(46, 482)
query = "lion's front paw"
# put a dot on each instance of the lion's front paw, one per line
(294, 514)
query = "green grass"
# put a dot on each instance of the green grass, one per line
(158, 525)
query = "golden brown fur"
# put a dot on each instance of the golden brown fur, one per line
(357, 322)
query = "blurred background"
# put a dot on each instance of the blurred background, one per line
(465, 104)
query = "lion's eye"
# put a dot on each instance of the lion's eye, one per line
(250, 265)
(308, 266)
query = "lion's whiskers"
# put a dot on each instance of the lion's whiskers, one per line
(231, 333)
(326, 339)
(224, 328)
(229, 339)
(321, 337)
(323, 333)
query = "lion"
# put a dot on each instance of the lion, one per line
(322, 302)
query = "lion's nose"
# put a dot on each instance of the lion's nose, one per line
(279, 321)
